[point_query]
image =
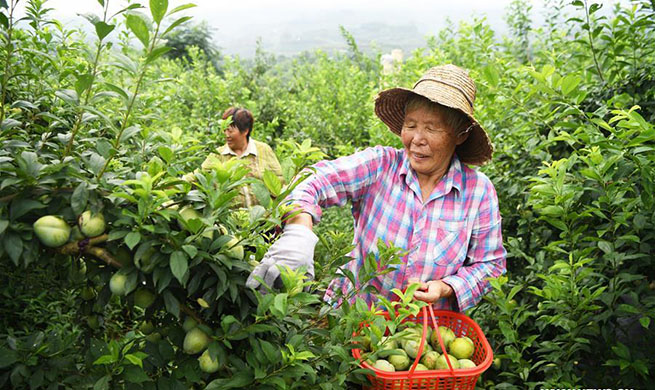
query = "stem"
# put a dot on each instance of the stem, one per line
(10, 49)
(87, 246)
(129, 108)
(591, 42)
(94, 73)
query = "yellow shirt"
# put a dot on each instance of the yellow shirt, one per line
(258, 156)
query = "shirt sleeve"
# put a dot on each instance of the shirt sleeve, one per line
(333, 183)
(486, 256)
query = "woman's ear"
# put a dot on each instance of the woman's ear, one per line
(463, 135)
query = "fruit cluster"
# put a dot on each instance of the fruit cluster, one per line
(397, 352)
(54, 232)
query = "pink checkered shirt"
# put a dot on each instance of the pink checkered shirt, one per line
(454, 236)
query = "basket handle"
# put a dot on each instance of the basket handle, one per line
(422, 343)
(441, 343)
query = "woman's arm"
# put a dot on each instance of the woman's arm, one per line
(333, 183)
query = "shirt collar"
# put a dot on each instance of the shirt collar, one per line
(250, 149)
(452, 179)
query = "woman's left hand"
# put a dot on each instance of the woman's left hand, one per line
(433, 290)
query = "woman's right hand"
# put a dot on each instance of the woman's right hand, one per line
(294, 249)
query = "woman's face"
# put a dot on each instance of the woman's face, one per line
(235, 139)
(428, 141)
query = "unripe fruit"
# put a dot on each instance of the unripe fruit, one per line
(93, 321)
(76, 234)
(466, 363)
(189, 323)
(497, 363)
(52, 231)
(146, 327)
(91, 225)
(153, 337)
(195, 341)
(143, 298)
(207, 364)
(411, 347)
(124, 256)
(188, 213)
(146, 263)
(421, 367)
(366, 343)
(429, 359)
(235, 251)
(442, 364)
(117, 284)
(384, 365)
(88, 293)
(399, 362)
(447, 335)
(461, 348)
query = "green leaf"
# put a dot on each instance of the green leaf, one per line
(644, 321)
(569, 83)
(139, 27)
(272, 182)
(490, 74)
(166, 153)
(7, 357)
(279, 308)
(156, 53)
(158, 9)
(4, 21)
(132, 358)
(181, 8)
(132, 239)
(83, 83)
(134, 374)
(176, 23)
(105, 359)
(172, 304)
(240, 380)
(21, 206)
(120, 91)
(605, 246)
(190, 250)
(256, 212)
(68, 95)
(179, 265)
(80, 198)
(102, 383)
(3, 225)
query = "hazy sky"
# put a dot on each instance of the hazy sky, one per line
(238, 23)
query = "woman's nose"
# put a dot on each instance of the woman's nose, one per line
(419, 137)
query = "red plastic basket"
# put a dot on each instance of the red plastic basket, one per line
(459, 379)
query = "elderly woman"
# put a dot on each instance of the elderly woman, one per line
(423, 198)
(258, 156)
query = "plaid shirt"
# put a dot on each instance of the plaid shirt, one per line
(454, 236)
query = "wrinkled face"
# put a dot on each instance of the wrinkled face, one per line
(428, 141)
(235, 139)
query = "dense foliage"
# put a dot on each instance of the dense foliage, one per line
(111, 125)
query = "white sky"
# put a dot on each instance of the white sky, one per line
(238, 23)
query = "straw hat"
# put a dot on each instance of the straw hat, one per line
(449, 86)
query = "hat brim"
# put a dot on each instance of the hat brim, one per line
(390, 108)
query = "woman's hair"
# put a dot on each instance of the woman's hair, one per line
(241, 118)
(452, 118)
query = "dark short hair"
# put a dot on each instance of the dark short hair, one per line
(452, 118)
(241, 118)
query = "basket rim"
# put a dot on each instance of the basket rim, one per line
(443, 373)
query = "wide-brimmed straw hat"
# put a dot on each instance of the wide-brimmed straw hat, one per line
(450, 86)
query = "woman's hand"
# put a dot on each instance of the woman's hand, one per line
(432, 290)
(294, 249)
